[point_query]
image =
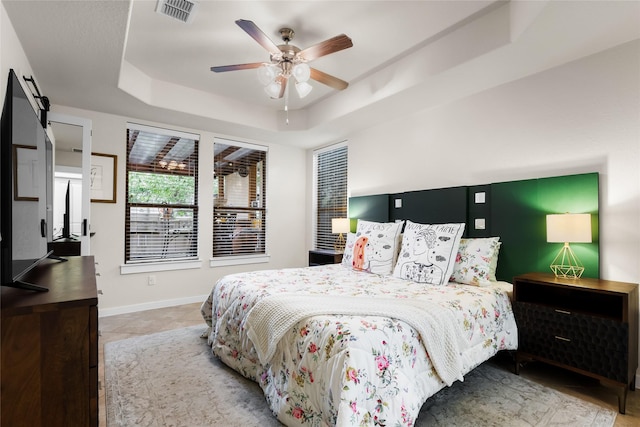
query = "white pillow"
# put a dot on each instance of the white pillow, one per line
(428, 252)
(373, 247)
(476, 261)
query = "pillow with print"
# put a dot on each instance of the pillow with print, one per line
(428, 252)
(373, 247)
(476, 261)
(347, 256)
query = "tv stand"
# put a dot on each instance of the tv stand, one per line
(19, 284)
(57, 258)
(49, 348)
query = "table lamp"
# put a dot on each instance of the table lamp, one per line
(568, 228)
(340, 226)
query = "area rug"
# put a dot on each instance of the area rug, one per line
(172, 379)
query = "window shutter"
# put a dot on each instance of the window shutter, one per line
(331, 192)
(239, 198)
(161, 219)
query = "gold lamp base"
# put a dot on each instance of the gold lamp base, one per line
(339, 244)
(566, 264)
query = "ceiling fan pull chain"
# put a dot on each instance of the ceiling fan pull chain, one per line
(286, 104)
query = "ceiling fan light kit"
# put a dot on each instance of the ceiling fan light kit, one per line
(271, 76)
(287, 60)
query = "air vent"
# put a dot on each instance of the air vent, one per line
(181, 10)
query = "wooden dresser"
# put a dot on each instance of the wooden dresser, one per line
(589, 326)
(50, 347)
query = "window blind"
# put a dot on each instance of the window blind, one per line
(239, 198)
(161, 219)
(331, 192)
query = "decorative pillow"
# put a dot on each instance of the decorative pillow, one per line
(476, 261)
(428, 252)
(493, 265)
(347, 257)
(373, 247)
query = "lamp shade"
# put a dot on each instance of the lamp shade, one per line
(301, 72)
(303, 89)
(340, 225)
(273, 89)
(267, 73)
(569, 228)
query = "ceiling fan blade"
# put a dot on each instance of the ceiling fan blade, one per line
(235, 67)
(252, 29)
(326, 47)
(328, 79)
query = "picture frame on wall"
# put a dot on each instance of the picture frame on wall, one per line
(103, 177)
(25, 171)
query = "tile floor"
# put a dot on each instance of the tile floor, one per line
(124, 326)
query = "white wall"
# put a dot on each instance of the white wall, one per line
(581, 117)
(11, 54)
(285, 222)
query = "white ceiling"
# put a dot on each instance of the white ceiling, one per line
(122, 57)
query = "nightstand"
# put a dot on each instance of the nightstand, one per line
(589, 326)
(324, 256)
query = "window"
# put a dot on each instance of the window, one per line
(239, 199)
(161, 222)
(330, 165)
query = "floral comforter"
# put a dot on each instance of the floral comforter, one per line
(351, 370)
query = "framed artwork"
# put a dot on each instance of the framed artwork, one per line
(103, 177)
(25, 172)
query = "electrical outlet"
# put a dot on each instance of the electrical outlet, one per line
(152, 280)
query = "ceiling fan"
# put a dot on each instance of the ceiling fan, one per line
(287, 60)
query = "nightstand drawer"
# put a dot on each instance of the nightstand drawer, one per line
(323, 256)
(594, 344)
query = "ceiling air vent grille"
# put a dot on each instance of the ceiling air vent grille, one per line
(181, 10)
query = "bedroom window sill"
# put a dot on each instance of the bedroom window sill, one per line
(239, 260)
(160, 266)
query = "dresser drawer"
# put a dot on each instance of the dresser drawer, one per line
(594, 344)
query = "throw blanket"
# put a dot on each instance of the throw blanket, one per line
(271, 317)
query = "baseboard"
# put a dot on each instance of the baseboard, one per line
(105, 312)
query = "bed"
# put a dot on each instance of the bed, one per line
(365, 342)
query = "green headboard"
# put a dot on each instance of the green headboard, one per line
(518, 216)
(515, 211)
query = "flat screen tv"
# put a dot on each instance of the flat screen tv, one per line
(26, 188)
(66, 216)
